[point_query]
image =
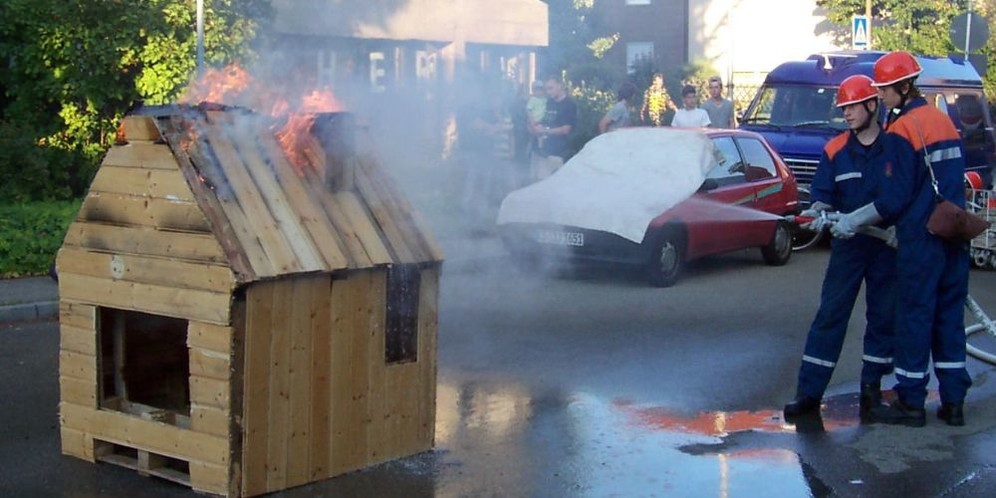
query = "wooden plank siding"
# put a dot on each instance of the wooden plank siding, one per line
(193, 247)
(156, 437)
(142, 128)
(147, 270)
(428, 334)
(330, 404)
(279, 378)
(188, 304)
(158, 183)
(255, 419)
(146, 155)
(137, 210)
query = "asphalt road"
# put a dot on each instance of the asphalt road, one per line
(594, 384)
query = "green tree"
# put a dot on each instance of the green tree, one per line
(920, 26)
(69, 69)
(578, 41)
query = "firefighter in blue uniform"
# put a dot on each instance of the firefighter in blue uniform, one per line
(846, 179)
(932, 274)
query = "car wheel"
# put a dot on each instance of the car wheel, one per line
(779, 250)
(667, 259)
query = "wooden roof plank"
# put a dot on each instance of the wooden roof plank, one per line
(258, 219)
(263, 168)
(221, 225)
(364, 228)
(276, 199)
(387, 220)
(221, 191)
(406, 217)
(307, 204)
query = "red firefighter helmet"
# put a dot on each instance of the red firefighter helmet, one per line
(973, 180)
(854, 89)
(894, 67)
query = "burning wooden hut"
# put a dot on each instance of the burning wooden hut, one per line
(241, 320)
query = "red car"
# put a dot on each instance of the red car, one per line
(744, 191)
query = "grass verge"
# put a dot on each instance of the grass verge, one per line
(30, 235)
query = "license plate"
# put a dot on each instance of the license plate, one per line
(560, 238)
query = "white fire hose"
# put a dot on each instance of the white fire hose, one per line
(984, 323)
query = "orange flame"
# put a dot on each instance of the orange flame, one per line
(220, 86)
(320, 101)
(295, 138)
(299, 146)
(232, 83)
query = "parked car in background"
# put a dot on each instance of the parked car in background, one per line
(657, 198)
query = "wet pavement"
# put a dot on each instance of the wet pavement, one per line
(590, 383)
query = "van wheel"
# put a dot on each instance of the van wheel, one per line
(779, 250)
(667, 259)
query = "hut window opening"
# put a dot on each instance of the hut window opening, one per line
(401, 341)
(144, 365)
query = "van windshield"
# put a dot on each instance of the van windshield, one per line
(796, 106)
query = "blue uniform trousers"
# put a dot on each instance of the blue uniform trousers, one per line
(933, 285)
(852, 261)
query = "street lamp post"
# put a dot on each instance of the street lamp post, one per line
(200, 36)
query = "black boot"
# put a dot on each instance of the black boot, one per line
(899, 413)
(871, 396)
(801, 405)
(952, 413)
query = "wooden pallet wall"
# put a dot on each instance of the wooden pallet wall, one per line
(319, 399)
(87, 431)
(140, 241)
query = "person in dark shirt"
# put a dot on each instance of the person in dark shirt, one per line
(560, 119)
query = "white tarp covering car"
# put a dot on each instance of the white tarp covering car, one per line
(618, 182)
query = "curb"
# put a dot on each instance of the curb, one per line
(44, 310)
(26, 312)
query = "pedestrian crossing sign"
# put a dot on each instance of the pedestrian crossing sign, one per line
(860, 38)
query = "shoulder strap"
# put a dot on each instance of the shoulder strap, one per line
(926, 157)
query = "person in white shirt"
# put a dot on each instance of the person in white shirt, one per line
(690, 116)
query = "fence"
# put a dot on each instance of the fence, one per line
(741, 95)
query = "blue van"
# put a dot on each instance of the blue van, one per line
(795, 108)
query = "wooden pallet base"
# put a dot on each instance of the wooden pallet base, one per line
(144, 462)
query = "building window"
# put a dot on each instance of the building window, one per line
(637, 2)
(144, 365)
(401, 341)
(328, 61)
(637, 51)
(425, 65)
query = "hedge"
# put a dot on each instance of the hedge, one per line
(31, 234)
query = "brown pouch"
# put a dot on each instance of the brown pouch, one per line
(950, 222)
